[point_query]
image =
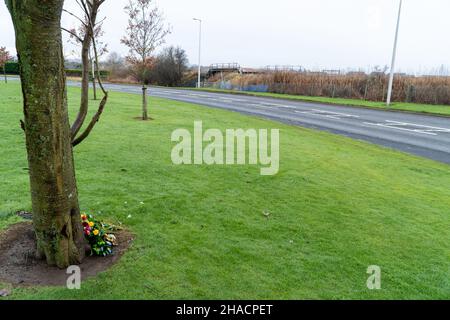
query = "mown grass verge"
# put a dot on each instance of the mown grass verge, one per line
(336, 207)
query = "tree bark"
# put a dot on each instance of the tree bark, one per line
(94, 85)
(144, 103)
(84, 104)
(56, 213)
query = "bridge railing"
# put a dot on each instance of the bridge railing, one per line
(225, 66)
(278, 68)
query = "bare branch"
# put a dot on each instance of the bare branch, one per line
(93, 122)
(76, 17)
(90, 16)
(90, 10)
(145, 32)
(73, 34)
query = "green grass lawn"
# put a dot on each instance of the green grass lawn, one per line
(337, 206)
(397, 106)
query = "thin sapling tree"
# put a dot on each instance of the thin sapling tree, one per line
(146, 31)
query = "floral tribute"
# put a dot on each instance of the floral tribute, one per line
(96, 233)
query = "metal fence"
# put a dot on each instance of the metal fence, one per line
(227, 85)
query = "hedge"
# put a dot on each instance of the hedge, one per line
(13, 68)
(78, 73)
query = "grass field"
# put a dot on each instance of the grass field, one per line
(337, 206)
(397, 106)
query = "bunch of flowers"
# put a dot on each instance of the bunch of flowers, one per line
(96, 234)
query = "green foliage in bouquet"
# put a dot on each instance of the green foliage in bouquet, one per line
(96, 233)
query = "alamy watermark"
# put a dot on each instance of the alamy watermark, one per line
(228, 148)
(74, 280)
(374, 280)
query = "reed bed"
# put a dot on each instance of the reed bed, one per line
(373, 87)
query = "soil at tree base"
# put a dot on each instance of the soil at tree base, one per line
(19, 266)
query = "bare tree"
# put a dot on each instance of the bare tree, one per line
(4, 57)
(113, 62)
(87, 39)
(49, 140)
(146, 31)
(102, 49)
(170, 67)
(77, 35)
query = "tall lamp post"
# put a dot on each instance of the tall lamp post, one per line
(391, 77)
(199, 52)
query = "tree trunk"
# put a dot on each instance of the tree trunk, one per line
(144, 103)
(56, 213)
(94, 86)
(84, 104)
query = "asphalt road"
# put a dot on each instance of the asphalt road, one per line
(422, 135)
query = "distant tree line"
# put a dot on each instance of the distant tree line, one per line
(13, 69)
(169, 68)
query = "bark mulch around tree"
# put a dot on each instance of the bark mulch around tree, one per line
(19, 267)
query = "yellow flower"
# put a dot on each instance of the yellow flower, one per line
(91, 224)
(96, 232)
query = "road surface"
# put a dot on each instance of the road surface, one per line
(423, 135)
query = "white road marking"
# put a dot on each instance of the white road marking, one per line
(413, 127)
(254, 105)
(226, 99)
(332, 117)
(428, 128)
(259, 106)
(398, 128)
(328, 114)
(283, 106)
(338, 114)
(198, 95)
(268, 105)
(273, 104)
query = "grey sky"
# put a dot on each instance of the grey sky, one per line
(328, 34)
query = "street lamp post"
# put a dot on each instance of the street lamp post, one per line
(391, 77)
(199, 52)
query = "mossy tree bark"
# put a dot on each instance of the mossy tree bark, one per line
(56, 214)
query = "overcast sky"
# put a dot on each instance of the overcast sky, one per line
(331, 34)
